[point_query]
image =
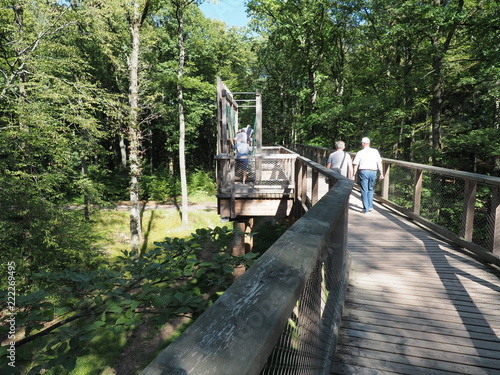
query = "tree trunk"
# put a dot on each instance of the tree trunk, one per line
(123, 151)
(496, 124)
(182, 125)
(437, 99)
(134, 132)
(86, 198)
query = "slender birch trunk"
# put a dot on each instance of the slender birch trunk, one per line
(134, 131)
(182, 124)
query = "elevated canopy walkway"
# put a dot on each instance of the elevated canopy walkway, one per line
(411, 288)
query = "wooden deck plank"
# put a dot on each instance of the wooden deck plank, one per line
(413, 336)
(415, 304)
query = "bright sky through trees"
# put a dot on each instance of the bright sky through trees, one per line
(232, 12)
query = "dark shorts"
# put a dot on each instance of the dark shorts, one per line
(242, 163)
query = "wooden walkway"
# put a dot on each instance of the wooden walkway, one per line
(415, 304)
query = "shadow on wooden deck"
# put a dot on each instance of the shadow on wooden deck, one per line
(415, 304)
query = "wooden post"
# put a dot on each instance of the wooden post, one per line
(220, 168)
(296, 172)
(221, 119)
(469, 204)
(248, 236)
(232, 174)
(239, 246)
(243, 242)
(258, 121)
(385, 182)
(315, 188)
(417, 192)
(303, 183)
(220, 148)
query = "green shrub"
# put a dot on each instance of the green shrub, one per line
(109, 186)
(82, 309)
(160, 186)
(201, 181)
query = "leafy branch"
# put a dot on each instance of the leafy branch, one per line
(178, 278)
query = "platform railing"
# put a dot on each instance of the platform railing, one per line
(461, 206)
(264, 171)
(282, 315)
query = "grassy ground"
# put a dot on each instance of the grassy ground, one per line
(157, 224)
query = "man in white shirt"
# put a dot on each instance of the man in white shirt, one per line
(241, 136)
(368, 161)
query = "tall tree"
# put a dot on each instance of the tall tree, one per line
(118, 27)
(135, 23)
(306, 37)
(179, 7)
(48, 125)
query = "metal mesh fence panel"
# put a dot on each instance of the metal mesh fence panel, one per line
(244, 170)
(256, 171)
(483, 212)
(400, 186)
(443, 200)
(274, 171)
(305, 345)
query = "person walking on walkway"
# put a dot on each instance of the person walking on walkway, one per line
(241, 136)
(368, 161)
(243, 149)
(339, 161)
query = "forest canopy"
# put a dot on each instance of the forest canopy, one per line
(421, 80)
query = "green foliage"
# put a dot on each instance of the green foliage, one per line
(178, 278)
(107, 185)
(266, 233)
(161, 186)
(203, 182)
(39, 236)
(376, 73)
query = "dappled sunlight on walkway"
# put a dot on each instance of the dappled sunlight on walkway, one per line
(416, 304)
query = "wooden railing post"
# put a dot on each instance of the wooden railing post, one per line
(298, 187)
(315, 187)
(469, 204)
(232, 174)
(417, 191)
(221, 172)
(303, 183)
(385, 181)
